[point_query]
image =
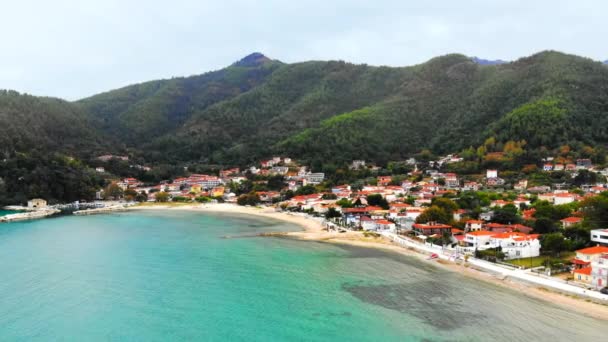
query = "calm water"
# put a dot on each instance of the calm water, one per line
(6, 212)
(169, 276)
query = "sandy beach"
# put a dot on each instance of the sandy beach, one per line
(313, 231)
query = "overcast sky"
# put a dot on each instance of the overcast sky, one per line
(73, 49)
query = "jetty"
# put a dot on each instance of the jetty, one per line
(30, 215)
(103, 210)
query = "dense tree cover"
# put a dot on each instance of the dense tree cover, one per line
(138, 113)
(54, 177)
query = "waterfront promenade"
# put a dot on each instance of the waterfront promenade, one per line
(503, 271)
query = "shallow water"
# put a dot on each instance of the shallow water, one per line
(160, 276)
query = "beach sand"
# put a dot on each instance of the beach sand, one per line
(313, 231)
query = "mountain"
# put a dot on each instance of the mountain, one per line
(327, 112)
(482, 61)
(44, 124)
(139, 113)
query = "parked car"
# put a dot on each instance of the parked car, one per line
(604, 290)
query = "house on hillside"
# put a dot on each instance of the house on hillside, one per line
(570, 221)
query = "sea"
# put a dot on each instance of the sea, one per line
(187, 276)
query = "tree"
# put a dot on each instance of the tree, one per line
(377, 200)
(141, 197)
(112, 191)
(580, 237)
(344, 203)
(329, 196)
(595, 210)
(130, 194)
(162, 197)
(331, 213)
(544, 225)
(434, 214)
(555, 243)
(306, 190)
(248, 199)
(446, 204)
(506, 215)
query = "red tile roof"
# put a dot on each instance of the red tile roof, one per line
(593, 250)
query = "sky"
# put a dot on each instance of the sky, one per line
(74, 49)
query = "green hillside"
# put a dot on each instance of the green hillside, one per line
(326, 112)
(43, 124)
(139, 113)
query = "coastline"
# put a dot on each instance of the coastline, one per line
(313, 231)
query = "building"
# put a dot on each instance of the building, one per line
(583, 275)
(367, 223)
(583, 163)
(548, 167)
(315, 178)
(100, 169)
(586, 255)
(431, 228)
(599, 272)
(600, 236)
(491, 174)
(471, 186)
(570, 221)
(516, 245)
(385, 225)
(478, 239)
(36, 203)
(564, 198)
(473, 225)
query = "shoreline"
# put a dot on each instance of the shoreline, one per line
(313, 231)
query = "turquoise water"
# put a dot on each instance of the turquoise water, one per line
(174, 276)
(6, 212)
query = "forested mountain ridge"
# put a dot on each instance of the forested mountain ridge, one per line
(45, 124)
(141, 112)
(333, 111)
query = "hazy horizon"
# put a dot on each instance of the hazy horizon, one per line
(72, 50)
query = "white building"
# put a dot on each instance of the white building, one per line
(600, 236)
(492, 174)
(478, 239)
(315, 178)
(36, 203)
(517, 245)
(599, 272)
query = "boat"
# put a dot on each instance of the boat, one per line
(433, 256)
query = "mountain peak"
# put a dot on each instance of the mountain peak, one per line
(252, 60)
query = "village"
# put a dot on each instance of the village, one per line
(425, 205)
(536, 228)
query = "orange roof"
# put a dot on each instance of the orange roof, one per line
(507, 235)
(527, 237)
(474, 221)
(572, 219)
(481, 233)
(383, 222)
(593, 250)
(584, 270)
